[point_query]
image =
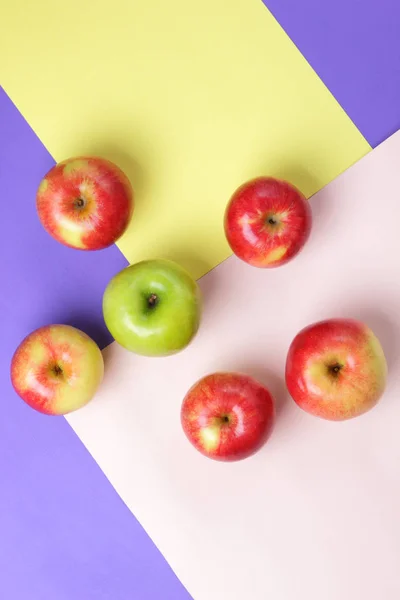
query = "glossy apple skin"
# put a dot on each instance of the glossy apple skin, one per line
(85, 202)
(228, 416)
(57, 369)
(163, 328)
(336, 369)
(267, 222)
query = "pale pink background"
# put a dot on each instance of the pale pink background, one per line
(315, 514)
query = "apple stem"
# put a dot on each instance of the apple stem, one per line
(57, 370)
(152, 300)
(80, 203)
(334, 369)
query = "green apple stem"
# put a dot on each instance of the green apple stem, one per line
(152, 300)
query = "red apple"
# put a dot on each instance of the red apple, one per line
(57, 369)
(85, 202)
(227, 416)
(336, 369)
(267, 222)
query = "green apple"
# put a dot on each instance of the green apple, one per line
(152, 307)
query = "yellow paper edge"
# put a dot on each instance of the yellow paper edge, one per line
(190, 99)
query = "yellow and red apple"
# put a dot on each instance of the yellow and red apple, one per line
(85, 202)
(336, 369)
(227, 416)
(57, 369)
(267, 222)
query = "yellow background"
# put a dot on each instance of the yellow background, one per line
(190, 97)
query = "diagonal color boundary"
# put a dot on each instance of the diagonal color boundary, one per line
(354, 47)
(190, 98)
(65, 533)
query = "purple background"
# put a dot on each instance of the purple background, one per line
(64, 532)
(354, 46)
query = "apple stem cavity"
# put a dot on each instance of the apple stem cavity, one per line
(152, 300)
(80, 203)
(57, 370)
(335, 369)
